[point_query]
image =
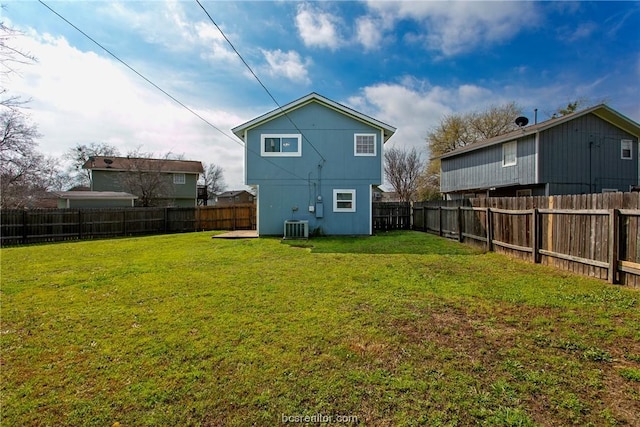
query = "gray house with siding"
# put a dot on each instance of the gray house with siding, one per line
(314, 160)
(171, 182)
(590, 151)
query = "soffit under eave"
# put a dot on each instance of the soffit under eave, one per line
(619, 121)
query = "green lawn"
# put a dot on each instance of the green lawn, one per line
(397, 329)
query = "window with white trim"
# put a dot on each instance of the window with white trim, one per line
(626, 152)
(344, 200)
(285, 145)
(364, 144)
(179, 178)
(509, 153)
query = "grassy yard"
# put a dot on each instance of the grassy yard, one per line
(397, 329)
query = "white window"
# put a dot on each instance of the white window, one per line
(509, 153)
(281, 145)
(179, 178)
(625, 149)
(344, 200)
(364, 144)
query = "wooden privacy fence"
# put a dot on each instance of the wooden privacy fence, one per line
(19, 226)
(391, 216)
(595, 235)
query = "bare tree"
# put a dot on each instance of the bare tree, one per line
(81, 153)
(403, 169)
(459, 130)
(11, 58)
(25, 174)
(213, 178)
(145, 177)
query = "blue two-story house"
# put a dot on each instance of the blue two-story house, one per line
(314, 160)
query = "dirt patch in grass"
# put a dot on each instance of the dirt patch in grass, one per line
(529, 358)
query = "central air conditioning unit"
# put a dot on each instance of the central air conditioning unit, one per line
(296, 229)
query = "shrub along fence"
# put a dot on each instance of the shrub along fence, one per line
(18, 226)
(595, 235)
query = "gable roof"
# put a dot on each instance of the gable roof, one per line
(603, 111)
(313, 97)
(143, 164)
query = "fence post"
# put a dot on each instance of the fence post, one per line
(79, 224)
(124, 222)
(460, 224)
(613, 245)
(440, 221)
(25, 225)
(535, 242)
(489, 230)
(234, 217)
(166, 219)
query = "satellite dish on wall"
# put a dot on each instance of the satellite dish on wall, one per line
(522, 121)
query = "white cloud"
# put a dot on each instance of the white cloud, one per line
(318, 28)
(412, 111)
(582, 31)
(472, 94)
(287, 64)
(167, 25)
(369, 32)
(80, 97)
(452, 28)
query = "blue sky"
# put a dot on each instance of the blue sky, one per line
(405, 63)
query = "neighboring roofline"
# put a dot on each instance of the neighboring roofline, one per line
(93, 195)
(232, 193)
(313, 96)
(602, 111)
(164, 162)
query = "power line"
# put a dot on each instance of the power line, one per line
(135, 71)
(258, 79)
(165, 92)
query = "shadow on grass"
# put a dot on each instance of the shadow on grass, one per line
(392, 242)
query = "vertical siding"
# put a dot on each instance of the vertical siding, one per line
(483, 168)
(325, 130)
(288, 182)
(291, 201)
(583, 156)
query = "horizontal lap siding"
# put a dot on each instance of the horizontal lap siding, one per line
(483, 168)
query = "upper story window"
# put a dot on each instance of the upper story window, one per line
(626, 152)
(179, 178)
(344, 200)
(364, 144)
(289, 145)
(509, 153)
